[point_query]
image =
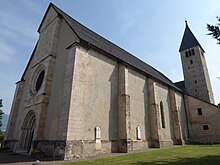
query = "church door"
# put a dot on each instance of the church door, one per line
(27, 132)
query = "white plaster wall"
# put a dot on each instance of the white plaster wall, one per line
(137, 90)
(94, 96)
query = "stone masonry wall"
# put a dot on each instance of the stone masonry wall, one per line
(203, 121)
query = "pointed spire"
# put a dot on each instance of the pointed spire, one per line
(189, 40)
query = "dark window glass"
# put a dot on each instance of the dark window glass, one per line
(186, 53)
(190, 53)
(205, 127)
(39, 80)
(195, 81)
(199, 111)
(191, 61)
(193, 52)
(162, 115)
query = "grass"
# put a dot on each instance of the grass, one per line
(184, 155)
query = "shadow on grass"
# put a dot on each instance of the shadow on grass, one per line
(11, 157)
(207, 160)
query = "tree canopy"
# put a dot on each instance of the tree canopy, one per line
(1, 113)
(214, 30)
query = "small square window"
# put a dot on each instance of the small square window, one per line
(205, 127)
(199, 111)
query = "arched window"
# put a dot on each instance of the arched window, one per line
(186, 53)
(138, 132)
(190, 53)
(97, 134)
(193, 52)
(162, 115)
(98, 138)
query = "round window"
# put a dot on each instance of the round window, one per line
(39, 81)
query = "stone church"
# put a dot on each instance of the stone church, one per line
(81, 95)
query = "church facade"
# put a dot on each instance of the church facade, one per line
(81, 95)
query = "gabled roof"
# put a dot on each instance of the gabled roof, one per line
(180, 85)
(88, 36)
(189, 40)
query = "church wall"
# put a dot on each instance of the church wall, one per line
(30, 101)
(48, 37)
(203, 121)
(14, 111)
(137, 90)
(66, 38)
(162, 94)
(182, 115)
(21, 110)
(44, 58)
(93, 101)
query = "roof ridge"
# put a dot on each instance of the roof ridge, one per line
(99, 42)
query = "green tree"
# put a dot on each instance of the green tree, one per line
(214, 30)
(1, 113)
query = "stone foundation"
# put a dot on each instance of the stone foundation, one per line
(79, 149)
(9, 144)
(54, 148)
(160, 143)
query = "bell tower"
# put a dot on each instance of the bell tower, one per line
(196, 76)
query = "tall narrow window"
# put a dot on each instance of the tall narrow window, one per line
(199, 110)
(138, 132)
(186, 53)
(162, 115)
(191, 61)
(97, 134)
(193, 52)
(98, 138)
(190, 53)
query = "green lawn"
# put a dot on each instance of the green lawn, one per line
(183, 155)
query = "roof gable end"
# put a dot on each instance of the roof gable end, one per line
(48, 17)
(97, 41)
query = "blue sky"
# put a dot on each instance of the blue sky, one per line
(150, 29)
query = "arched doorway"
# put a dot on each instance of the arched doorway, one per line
(27, 131)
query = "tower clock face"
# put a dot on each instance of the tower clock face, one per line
(39, 80)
